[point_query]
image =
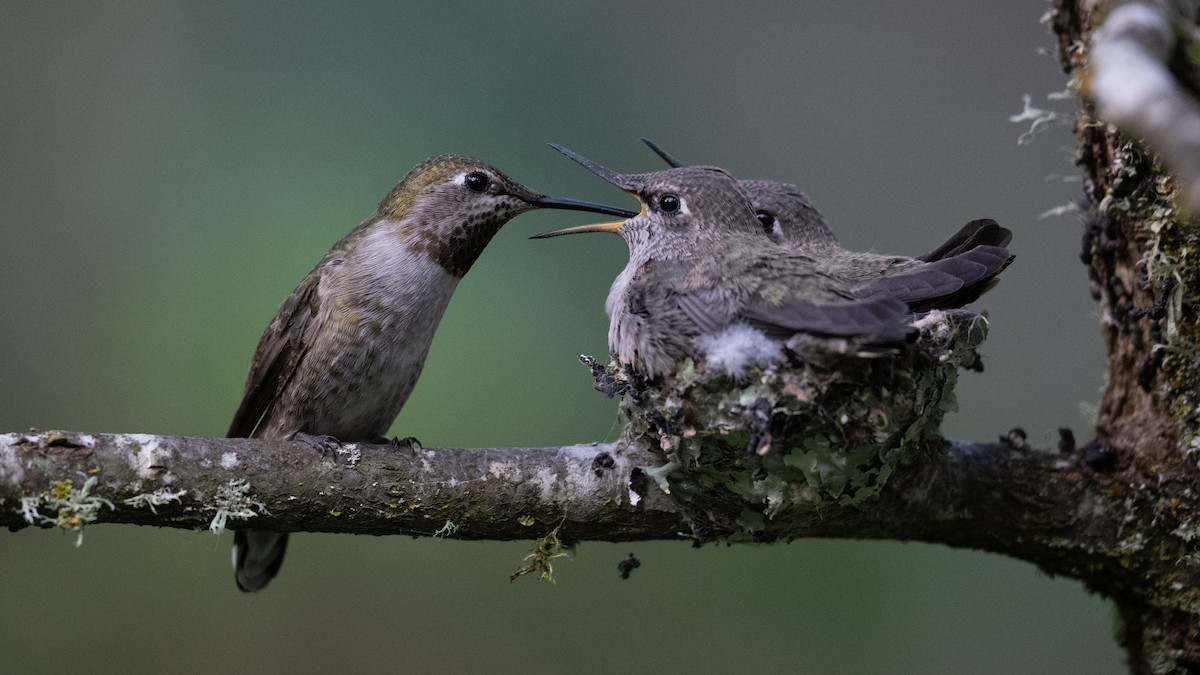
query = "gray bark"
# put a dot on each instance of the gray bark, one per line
(1037, 505)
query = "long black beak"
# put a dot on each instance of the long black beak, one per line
(671, 161)
(567, 204)
(618, 179)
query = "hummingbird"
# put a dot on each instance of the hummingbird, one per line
(952, 275)
(345, 349)
(702, 278)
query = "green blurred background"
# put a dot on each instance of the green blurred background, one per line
(169, 171)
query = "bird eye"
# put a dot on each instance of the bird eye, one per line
(477, 181)
(766, 220)
(668, 203)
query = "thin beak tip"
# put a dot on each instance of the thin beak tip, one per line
(612, 227)
(613, 177)
(671, 161)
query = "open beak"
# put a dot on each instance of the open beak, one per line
(671, 161)
(552, 202)
(580, 229)
(618, 179)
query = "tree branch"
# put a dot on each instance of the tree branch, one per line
(1131, 80)
(1034, 505)
(198, 483)
(969, 496)
(1139, 71)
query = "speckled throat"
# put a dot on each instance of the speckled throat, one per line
(456, 249)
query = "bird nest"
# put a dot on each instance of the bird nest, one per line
(756, 457)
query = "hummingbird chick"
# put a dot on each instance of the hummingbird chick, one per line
(701, 274)
(344, 351)
(952, 275)
(801, 227)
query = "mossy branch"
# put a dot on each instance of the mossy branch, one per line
(208, 483)
(497, 494)
(1135, 62)
(1034, 505)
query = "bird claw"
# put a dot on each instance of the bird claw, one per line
(408, 442)
(326, 445)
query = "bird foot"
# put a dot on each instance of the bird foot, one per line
(408, 442)
(326, 445)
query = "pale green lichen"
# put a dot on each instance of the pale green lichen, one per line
(154, 499)
(758, 458)
(233, 501)
(1039, 119)
(72, 507)
(659, 474)
(352, 452)
(1170, 242)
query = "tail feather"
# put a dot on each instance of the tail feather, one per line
(945, 283)
(257, 557)
(983, 232)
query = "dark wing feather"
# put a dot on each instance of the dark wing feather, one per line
(880, 318)
(946, 283)
(279, 351)
(983, 232)
(971, 292)
(828, 308)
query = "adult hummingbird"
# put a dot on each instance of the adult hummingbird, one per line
(952, 275)
(341, 356)
(702, 279)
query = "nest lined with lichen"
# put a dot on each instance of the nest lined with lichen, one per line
(757, 457)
